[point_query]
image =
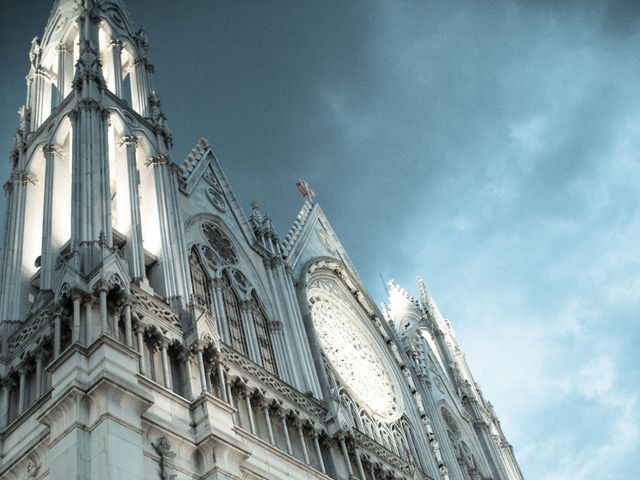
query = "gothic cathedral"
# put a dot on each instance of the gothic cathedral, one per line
(151, 330)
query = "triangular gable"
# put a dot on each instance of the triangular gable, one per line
(201, 166)
(313, 236)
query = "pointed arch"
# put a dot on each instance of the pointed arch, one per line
(263, 335)
(199, 280)
(233, 313)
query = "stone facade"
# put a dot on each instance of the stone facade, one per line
(151, 330)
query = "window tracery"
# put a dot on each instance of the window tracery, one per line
(201, 292)
(347, 346)
(234, 316)
(210, 258)
(263, 336)
(219, 241)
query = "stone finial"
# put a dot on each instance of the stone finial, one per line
(305, 190)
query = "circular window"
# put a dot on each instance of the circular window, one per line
(354, 354)
(220, 243)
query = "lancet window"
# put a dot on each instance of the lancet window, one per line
(201, 292)
(264, 338)
(233, 313)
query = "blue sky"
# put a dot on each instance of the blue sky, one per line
(492, 147)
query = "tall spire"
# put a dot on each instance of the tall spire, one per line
(92, 149)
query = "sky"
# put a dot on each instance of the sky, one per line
(492, 147)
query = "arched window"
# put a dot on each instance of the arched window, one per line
(263, 336)
(201, 293)
(234, 317)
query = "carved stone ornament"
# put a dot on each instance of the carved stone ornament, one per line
(216, 199)
(163, 448)
(352, 351)
(32, 468)
(220, 243)
(210, 258)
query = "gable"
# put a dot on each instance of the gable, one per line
(202, 180)
(312, 236)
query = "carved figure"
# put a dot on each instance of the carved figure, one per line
(163, 448)
(35, 54)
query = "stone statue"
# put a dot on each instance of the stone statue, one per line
(35, 54)
(163, 448)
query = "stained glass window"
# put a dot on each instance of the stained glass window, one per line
(220, 242)
(234, 317)
(201, 294)
(264, 337)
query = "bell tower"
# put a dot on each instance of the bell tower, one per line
(91, 197)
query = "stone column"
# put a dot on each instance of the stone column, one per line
(76, 296)
(63, 66)
(139, 87)
(116, 59)
(229, 383)
(247, 399)
(250, 331)
(140, 334)
(345, 454)
(305, 453)
(185, 358)
(296, 324)
(283, 354)
(13, 245)
(198, 347)
(128, 328)
(316, 445)
(6, 384)
(88, 301)
(40, 96)
(222, 315)
(51, 153)
(39, 372)
(103, 287)
(164, 343)
(265, 404)
(174, 250)
(57, 334)
(22, 371)
(136, 264)
(222, 382)
(91, 192)
(359, 465)
(282, 413)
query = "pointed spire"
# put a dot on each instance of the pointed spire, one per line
(430, 308)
